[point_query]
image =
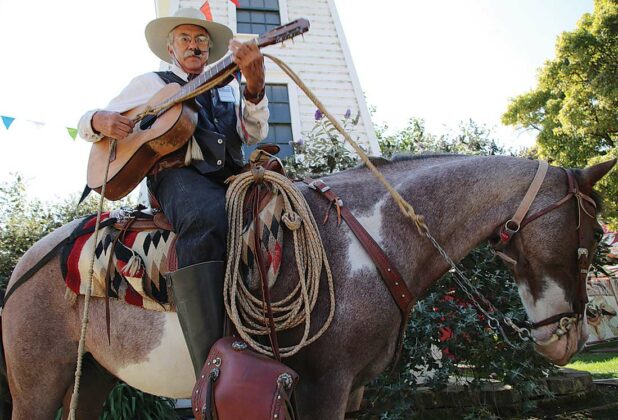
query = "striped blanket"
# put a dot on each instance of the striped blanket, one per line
(138, 261)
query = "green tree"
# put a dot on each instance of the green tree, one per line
(574, 107)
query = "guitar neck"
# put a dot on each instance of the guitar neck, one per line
(219, 67)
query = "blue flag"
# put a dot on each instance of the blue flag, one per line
(7, 121)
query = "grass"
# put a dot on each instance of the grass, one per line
(600, 365)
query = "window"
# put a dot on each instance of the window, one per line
(257, 16)
(280, 121)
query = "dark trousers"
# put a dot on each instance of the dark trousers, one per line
(195, 206)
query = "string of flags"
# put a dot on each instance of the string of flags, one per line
(8, 121)
(205, 9)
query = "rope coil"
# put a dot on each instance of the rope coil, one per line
(247, 311)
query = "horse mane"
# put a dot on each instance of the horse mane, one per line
(405, 157)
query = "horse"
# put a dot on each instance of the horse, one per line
(464, 200)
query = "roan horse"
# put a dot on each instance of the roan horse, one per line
(465, 200)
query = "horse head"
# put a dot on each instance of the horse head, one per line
(550, 252)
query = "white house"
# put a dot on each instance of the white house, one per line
(322, 60)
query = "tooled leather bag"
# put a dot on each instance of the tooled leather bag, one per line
(238, 383)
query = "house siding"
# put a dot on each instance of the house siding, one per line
(322, 60)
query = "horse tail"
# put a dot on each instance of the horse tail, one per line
(5, 393)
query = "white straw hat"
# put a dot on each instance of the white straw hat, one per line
(158, 30)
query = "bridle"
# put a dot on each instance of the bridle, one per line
(566, 319)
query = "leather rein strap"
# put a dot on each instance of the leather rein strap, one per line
(391, 277)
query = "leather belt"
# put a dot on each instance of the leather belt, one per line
(391, 277)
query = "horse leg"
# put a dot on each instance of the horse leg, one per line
(38, 396)
(324, 398)
(94, 387)
(40, 344)
(354, 400)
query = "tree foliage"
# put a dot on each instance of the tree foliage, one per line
(574, 107)
(469, 138)
(322, 150)
(24, 221)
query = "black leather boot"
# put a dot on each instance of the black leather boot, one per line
(198, 295)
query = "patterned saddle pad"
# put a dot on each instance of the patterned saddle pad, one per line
(140, 259)
(139, 262)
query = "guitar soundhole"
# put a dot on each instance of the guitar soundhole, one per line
(147, 122)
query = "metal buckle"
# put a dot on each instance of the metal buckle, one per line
(582, 252)
(510, 231)
(314, 186)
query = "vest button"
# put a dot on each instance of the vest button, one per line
(219, 162)
(220, 141)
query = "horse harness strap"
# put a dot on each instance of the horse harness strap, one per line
(519, 220)
(391, 277)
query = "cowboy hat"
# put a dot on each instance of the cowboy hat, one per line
(157, 31)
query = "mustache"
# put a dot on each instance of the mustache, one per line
(191, 53)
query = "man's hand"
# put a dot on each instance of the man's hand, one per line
(112, 124)
(251, 64)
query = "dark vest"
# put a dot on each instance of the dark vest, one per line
(216, 130)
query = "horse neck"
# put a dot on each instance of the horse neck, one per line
(462, 200)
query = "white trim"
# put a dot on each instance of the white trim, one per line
(283, 11)
(364, 110)
(231, 16)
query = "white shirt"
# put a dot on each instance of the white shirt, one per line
(252, 127)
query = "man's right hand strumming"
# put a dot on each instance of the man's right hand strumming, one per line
(112, 124)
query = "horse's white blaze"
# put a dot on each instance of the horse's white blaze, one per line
(551, 302)
(357, 256)
(168, 370)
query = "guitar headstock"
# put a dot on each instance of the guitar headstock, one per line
(283, 32)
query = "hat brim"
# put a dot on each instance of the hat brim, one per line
(158, 30)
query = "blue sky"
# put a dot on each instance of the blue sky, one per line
(441, 60)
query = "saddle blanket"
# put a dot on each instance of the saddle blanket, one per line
(138, 260)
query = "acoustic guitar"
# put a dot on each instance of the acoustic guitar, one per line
(163, 125)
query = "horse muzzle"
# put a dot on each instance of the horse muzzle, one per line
(567, 339)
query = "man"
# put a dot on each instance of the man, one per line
(193, 196)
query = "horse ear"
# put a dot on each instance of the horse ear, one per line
(592, 174)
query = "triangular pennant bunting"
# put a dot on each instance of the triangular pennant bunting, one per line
(235, 2)
(7, 121)
(206, 11)
(72, 132)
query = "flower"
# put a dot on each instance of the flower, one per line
(348, 113)
(318, 115)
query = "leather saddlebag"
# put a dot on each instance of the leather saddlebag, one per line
(238, 383)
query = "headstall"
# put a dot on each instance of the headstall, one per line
(566, 319)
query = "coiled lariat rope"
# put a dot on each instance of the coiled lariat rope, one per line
(406, 208)
(82, 336)
(244, 309)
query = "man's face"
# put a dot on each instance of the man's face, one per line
(186, 40)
